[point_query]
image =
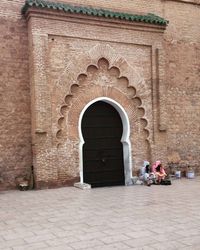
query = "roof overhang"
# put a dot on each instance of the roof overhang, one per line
(61, 10)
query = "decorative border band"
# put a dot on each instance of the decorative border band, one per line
(42, 4)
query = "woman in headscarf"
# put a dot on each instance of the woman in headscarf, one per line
(145, 173)
(159, 171)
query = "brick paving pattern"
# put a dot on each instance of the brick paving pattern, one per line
(134, 217)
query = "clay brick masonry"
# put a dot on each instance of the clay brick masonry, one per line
(55, 64)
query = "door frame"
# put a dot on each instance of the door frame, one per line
(125, 138)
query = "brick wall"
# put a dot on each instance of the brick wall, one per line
(182, 42)
(182, 54)
(15, 137)
(182, 47)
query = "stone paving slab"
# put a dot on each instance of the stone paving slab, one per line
(134, 217)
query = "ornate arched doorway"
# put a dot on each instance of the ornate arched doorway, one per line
(102, 129)
(103, 163)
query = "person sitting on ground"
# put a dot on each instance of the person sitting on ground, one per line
(146, 174)
(159, 171)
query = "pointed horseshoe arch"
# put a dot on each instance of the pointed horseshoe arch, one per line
(127, 159)
(79, 67)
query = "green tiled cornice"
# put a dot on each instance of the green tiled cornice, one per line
(148, 18)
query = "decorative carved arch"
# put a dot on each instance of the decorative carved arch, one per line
(77, 70)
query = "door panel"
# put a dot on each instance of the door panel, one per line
(103, 163)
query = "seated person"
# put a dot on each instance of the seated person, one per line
(146, 175)
(159, 171)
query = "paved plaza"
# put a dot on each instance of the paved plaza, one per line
(134, 217)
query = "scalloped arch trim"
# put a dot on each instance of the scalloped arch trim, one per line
(74, 88)
(79, 66)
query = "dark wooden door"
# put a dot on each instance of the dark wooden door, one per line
(103, 163)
